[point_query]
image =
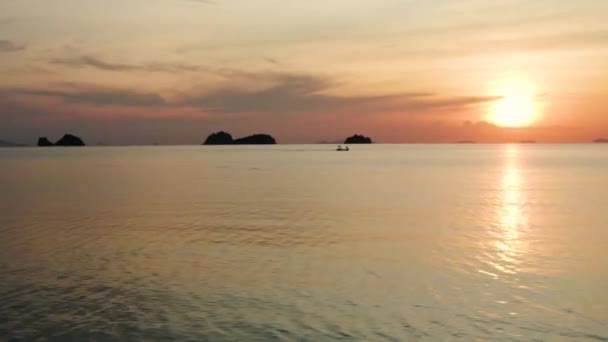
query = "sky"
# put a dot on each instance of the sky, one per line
(173, 71)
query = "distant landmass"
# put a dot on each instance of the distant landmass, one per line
(466, 142)
(256, 139)
(66, 140)
(601, 141)
(358, 139)
(43, 142)
(219, 138)
(4, 143)
(527, 142)
(224, 138)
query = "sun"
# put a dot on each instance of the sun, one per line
(516, 108)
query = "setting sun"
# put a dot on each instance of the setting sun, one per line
(513, 111)
(517, 108)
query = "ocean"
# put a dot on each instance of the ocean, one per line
(303, 243)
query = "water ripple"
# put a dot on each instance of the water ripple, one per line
(464, 243)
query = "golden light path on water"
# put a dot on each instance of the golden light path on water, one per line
(507, 235)
(512, 216)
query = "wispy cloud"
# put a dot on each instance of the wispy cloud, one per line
(88, 61)
(208, 2)
(9, 46)
(292, 93)
(97, 97)
(273, 61)
(278, 93)
(97, 63)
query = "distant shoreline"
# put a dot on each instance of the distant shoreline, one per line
(329, 144)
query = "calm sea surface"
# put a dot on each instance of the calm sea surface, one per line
(386, 242)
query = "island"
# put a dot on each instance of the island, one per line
(70, 140)
(224, 138)
(219, 138)
(358, 139)
(43, 142)
(66, 140)
(4, 143)
(601, 141)
(256, 139)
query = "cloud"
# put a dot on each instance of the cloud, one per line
(292, 93)
(97, 97)
(476, 45)
(97, 63)
(88, 61)
(118, 116)
(272, 61)
(274, 95)
(577, 39)
(9, 46)
(25, 121)
(208, 2)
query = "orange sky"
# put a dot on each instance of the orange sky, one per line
(172, 71)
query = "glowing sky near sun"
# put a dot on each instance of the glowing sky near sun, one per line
(172, 71)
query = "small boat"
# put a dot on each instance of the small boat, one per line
(340, 149)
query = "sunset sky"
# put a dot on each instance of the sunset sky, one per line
(173, 71)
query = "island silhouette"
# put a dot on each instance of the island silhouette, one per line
(43, 142)
(66, 140)
(358, 139)
(224, 138)
(4, 143)
(601, 140)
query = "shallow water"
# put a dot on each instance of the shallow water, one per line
(386, 242)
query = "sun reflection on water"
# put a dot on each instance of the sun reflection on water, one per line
(507, 244)
(511, 215)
